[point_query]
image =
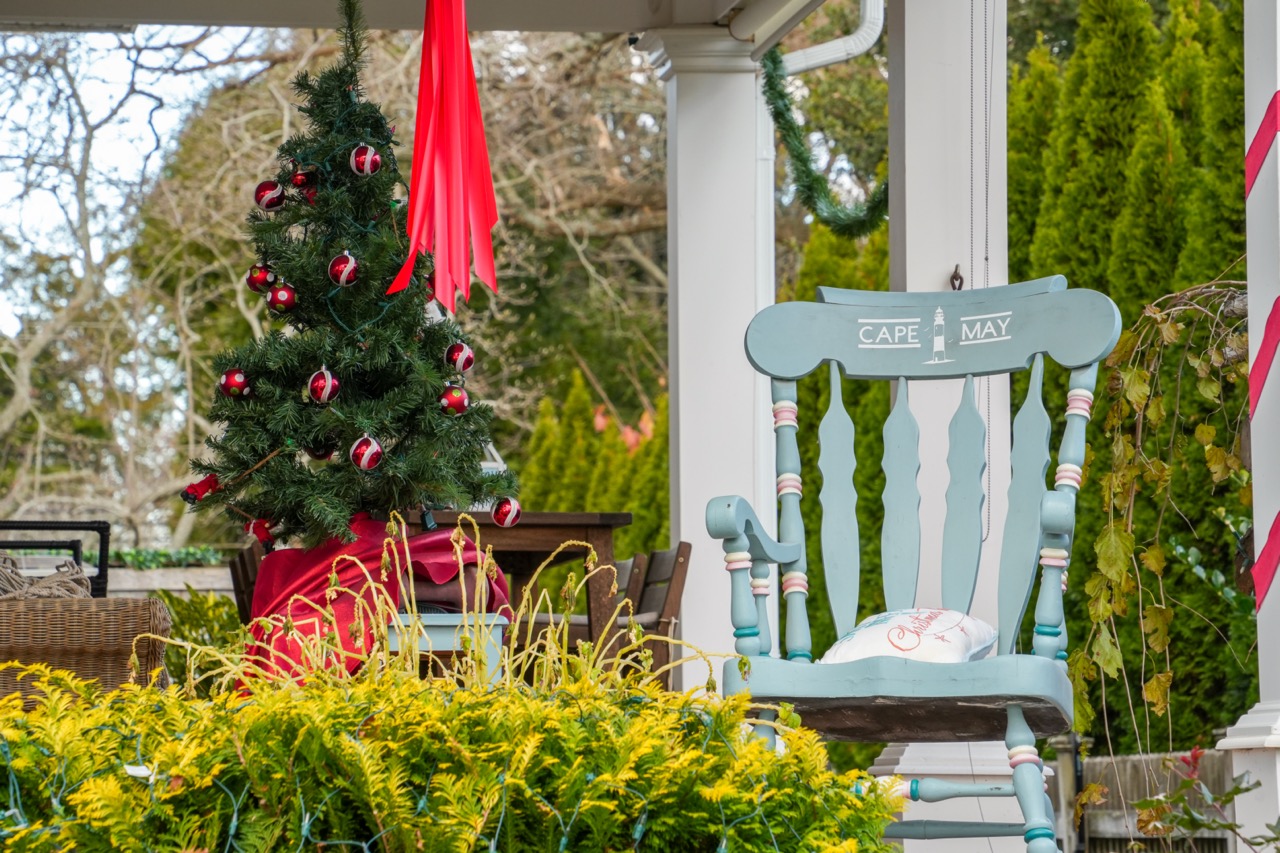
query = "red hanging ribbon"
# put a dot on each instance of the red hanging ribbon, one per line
(451, 198)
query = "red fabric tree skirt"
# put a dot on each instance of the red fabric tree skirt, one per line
(298, 586)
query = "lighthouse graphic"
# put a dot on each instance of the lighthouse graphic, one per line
(939, 338)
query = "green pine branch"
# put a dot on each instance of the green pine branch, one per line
(851, 221)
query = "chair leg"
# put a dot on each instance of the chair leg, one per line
(1028, 784)
(769, 733)
(661, 657)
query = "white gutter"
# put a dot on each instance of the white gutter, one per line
(765, 22)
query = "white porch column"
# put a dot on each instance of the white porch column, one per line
(1255, 739)
(720, 263)
(947, 200)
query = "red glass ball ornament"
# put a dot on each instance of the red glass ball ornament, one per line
(303, 177)
(259, 278)
(268, 195)
(460, 357)
(343, 270)
(323, 386)
(366, 453)
(506, 512)
(453, 400)
(234, 383)
(282, 299)
(365, 160)
(310, 194)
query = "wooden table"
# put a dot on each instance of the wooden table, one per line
(520, 550)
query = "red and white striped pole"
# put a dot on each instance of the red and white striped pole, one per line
(1255, 740)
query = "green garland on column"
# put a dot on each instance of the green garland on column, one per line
(855, 220)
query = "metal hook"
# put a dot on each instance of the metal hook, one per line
(957, 280)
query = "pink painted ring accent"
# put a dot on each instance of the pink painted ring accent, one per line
(1082, 393)
(737, 564)
(1053, 561)
(1024, 759)
(1068, 478)
(760, 590)
(795, 585)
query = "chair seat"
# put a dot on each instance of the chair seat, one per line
(892, 699)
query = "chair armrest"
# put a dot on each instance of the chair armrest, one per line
(730, 517)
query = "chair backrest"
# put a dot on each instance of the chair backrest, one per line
(630, 580)
(664, 585)
(244, 577)
(911, 337)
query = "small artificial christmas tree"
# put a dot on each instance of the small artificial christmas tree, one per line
(362, 408)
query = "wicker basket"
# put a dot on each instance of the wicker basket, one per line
(93, 637)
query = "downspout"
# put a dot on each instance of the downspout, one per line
(842, 49)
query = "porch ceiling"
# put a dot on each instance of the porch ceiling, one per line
(544, 15)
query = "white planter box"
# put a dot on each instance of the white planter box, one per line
(140, 583)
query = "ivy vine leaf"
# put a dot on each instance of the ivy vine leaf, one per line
(1151, 820)
(1137, 386)
(1094, 794)
(1219, 462)
(1155, 624)
(1154, 560)
(1124, 348)
(1115, 551)
(1081, 670)
(1106, 653)
(1155, 410)
(1156, 692)
(1210, 389)
(1205, 434)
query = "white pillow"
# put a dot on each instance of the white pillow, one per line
(936, 636)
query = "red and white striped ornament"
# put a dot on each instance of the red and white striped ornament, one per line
(506, 512)
(365, 160)
(234, 383)
(460, 357)
(323, 386)
(282, 299)
(453, 400)
(343, 270)
(259, 278)
(268, 195)
(366, 453)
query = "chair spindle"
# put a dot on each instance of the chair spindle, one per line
(742, 608)
(795, 577)
(1059, 517)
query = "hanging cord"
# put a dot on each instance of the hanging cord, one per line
(853, 220)
(985, 384)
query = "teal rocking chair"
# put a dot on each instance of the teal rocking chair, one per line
(1016, 694)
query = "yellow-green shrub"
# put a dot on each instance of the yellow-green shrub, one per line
(595, 757)
(393, 763)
